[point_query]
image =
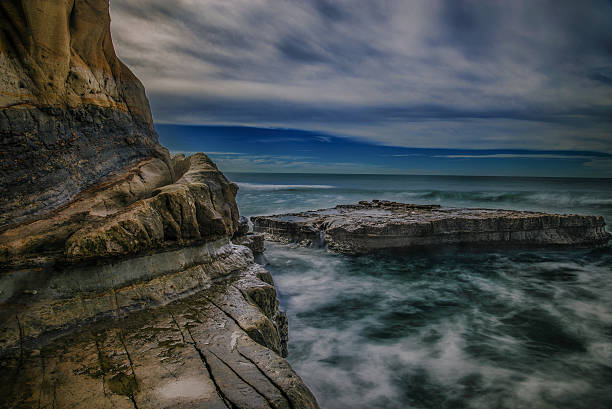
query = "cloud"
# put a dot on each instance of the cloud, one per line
(516, 156)
(440, 73)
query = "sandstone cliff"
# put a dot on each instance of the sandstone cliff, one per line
(70, 111)
(122, 280)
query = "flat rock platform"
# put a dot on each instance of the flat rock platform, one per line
(380, 226)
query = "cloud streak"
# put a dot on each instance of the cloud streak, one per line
(422, 73)
(290, 150)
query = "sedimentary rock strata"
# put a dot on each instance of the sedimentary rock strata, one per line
(123, 278)
(217, 348)
(71, 112)
(209, 332)
(389, 226)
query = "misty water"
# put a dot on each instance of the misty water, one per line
(444, 328)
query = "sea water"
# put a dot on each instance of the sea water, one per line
(444, 328)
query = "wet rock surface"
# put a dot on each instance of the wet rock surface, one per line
(381, 226)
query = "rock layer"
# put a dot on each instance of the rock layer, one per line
(136, 241)
(119, 282)
(71, 112)
(209, 332)
(388, 226)
(220, 347)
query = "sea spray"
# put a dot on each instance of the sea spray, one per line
(445, 329)
(474, 330)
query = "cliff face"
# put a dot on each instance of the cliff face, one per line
(70, 111)
(122, 283)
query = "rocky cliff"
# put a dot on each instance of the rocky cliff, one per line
(122, 280)
(71, 112)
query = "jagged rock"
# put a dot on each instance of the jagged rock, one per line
(199, 206)
(243, 226)
(218, 348)
(141, 210)
(255, 242)
(390, 226)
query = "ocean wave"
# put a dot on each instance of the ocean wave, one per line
(469, 329)
(258, 186)
(543, 198)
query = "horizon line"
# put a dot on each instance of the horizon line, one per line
(415, 174)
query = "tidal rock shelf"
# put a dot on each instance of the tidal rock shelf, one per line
(383, 226)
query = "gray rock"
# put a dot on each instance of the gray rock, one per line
(256, 242)
(390, 226)
(48, 155)
(243, 226)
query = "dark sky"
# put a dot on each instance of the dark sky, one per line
(458, 74)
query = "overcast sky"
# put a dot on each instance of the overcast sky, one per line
(514, 74)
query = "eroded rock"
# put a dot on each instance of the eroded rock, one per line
(119, 285)
(71, 112)
(141, 299)
(389, 226)
(217, 348)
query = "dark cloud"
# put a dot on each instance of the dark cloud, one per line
(472, 26)
(603, 75)
(410, 73)
(329, 10)
(299, 49)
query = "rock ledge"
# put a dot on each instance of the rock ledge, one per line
(138, 293)
(390, 226)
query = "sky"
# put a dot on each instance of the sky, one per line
(471, 87)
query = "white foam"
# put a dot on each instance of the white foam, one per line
(346, 368)
(257, 186)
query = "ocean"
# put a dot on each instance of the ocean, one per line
(444, 328)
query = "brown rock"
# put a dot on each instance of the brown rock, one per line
(71, 112)
(60, 53)
(217, 348)
(119, 286)
(209, 332)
